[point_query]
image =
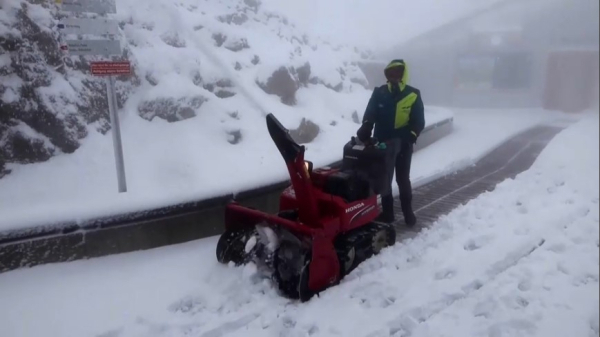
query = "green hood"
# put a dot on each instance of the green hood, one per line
(398, 63)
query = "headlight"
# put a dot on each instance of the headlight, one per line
(308, 165)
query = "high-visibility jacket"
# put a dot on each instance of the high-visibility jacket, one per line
(396, 112)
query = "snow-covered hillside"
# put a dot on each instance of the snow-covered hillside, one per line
(223, 63)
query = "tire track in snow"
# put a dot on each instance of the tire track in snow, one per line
(231, 326)
(406, 322)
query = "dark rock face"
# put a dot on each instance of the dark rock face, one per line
(219, 39)
(170, 109)
(235, 18)
(304, 74)
(306, 132)
(355, 117)
(234, 137)
(282, 84)
(43, 112)
(221, 88)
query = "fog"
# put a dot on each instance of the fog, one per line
(471, 53)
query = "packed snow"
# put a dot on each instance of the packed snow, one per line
(521, 260)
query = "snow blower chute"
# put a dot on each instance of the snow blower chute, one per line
(325, 225)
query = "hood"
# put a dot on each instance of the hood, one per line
(405, 76)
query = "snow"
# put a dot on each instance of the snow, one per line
(521, 260)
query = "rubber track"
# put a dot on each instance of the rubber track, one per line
(441, 196)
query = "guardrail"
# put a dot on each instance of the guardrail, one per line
(146, 229)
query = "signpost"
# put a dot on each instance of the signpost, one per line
(111, 69)
(91, 6)
(93, 47)
(103, 47)
(89, 26)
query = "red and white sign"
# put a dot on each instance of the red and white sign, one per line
(110, 68)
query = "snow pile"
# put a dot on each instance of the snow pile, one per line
(519, 261)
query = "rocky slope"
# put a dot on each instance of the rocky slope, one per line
(189, 58)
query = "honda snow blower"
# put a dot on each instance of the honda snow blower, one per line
(325, 225)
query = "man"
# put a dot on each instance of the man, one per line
(397, 113)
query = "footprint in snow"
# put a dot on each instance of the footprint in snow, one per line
(477, 242)
(445, 274)
(516, 327)
(525, 285)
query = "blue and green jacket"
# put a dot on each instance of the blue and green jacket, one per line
(396, 113)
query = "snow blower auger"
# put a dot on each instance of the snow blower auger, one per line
(325, 225)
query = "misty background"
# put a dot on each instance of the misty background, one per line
(469, 53)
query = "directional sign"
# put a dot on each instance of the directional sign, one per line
(93, 47)
(90, 6)
(110, 68)
(89, 26)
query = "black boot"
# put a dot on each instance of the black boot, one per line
(387, 212)
(407, 211)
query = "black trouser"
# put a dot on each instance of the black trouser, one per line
(399, 160)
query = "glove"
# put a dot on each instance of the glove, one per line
(364, 132)
(413, 137)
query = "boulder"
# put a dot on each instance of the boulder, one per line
(235, 18)
(306, 132)
(303, 73)
(170, 109)
(219, 39)
(282, 84)
(234, 137)
(237, 45)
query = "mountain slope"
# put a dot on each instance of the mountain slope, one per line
(189, 57)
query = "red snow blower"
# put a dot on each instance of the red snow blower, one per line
(325, 226)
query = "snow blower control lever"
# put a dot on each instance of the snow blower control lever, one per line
(325, 224)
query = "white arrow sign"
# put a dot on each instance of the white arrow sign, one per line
(90, 6)
(89, 26)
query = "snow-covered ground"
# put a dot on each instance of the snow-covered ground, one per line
(519, 261)
(167, 170)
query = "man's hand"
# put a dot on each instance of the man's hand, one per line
(413, 137)
(364, 132)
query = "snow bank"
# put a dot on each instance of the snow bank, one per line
(519, 261)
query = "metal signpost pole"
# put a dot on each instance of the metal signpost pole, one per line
(99, 47)
(116, 132)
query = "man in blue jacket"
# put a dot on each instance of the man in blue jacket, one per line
(396, 112)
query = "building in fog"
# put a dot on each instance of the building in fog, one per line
(517, 53)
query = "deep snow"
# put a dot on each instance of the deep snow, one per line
(180, 166)
(521, 260)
